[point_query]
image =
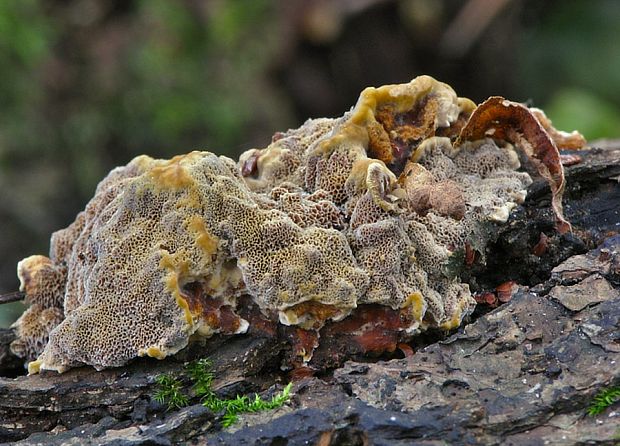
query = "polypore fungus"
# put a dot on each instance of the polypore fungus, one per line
(344, 225)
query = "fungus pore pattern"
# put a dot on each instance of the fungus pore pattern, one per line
(369, 209)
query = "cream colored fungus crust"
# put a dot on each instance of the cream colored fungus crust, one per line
(369, 208)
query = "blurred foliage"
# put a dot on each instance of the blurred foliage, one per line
(594, 116)
(570, 62)
(89, 84)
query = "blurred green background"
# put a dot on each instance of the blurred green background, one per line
(86, 85)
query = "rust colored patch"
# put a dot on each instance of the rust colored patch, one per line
(260, 325)
(502, 119)
(406, 349)
(302, 372)
(379, 145)
(229, 321)
(366, 314)
(541, 247)
(486, 298)
(325, 439)
(506, 290)
(303, 343)
(192, 293)
(419, 123)
(217, 314)
(394, 136)
(379, 328)
(370, 329)
(376, 340)
(319, 311)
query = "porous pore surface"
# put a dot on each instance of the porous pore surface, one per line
(370, 208)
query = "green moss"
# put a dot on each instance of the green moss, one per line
(200, 373)
(605, 398)
(170, 392)
(244, 404)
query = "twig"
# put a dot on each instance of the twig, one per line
(12, 297)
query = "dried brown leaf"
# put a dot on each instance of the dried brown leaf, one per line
(499, 118)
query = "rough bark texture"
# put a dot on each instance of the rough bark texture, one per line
(523, 373)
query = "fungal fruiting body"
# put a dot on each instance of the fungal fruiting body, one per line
(344, 224)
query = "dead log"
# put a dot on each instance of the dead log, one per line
(522, 373)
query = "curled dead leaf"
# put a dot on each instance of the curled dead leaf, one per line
(499, 118)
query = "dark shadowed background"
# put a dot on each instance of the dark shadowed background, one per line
(86, 85)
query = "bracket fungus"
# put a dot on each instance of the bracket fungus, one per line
(343, 229)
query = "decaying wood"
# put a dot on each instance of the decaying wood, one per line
(523, 373)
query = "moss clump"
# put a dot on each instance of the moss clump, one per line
(170, 392)
(605, 398)
(200, 372)
(244, 404)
